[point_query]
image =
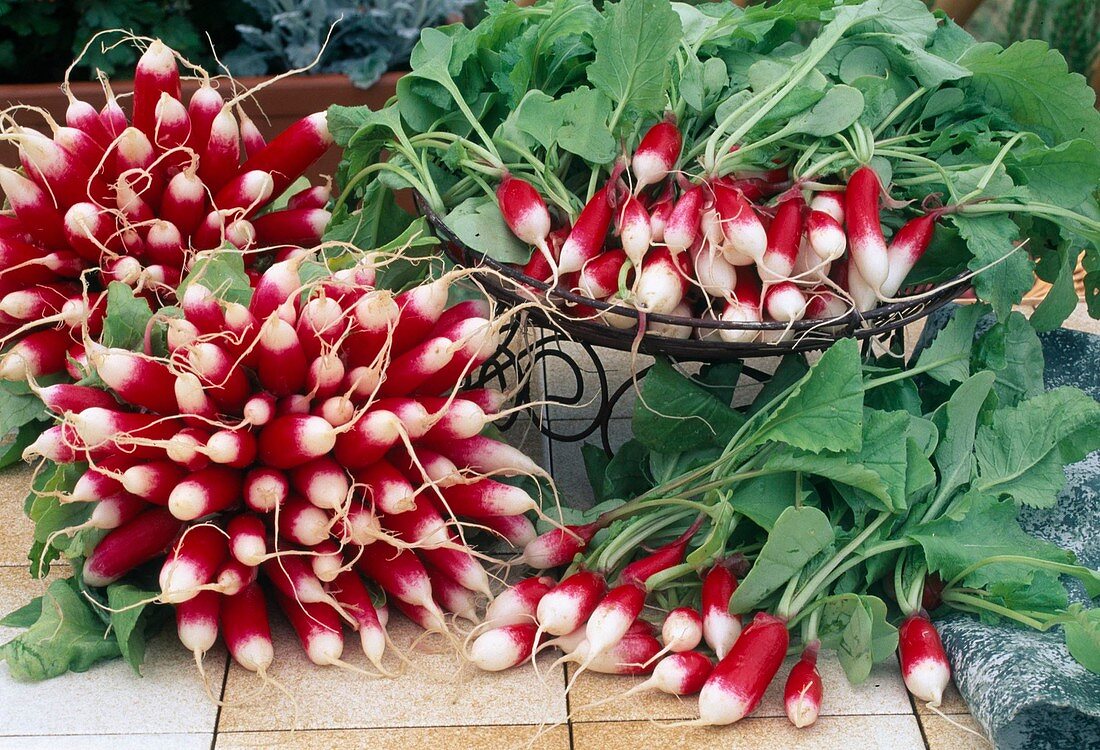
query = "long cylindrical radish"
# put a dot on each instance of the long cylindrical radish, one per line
(783, 235)
(682, 630)
(738, 682)
(291, 152)
(612, 617)
(558, 546)
(192, 562)
(657, 153)
(36, 354)
(802, 693)
(716, 276)
(83, 116)
(460, 566)
(370, 438)
(586, 238)
(518, 531)
(632, 227)
(486, 456)
(720, 629)
(518, 603)
(292, 226)
(64, 397)
(323, 482)
(203, 492)
(924, 666)
(682, 226)
(905, 250)
(197, 621)
(743, 308)
(662, 558)
(866, 243)
(568, 605)
(525, 213)
(823, 303)
(137, 379)
(34, 207)
(503, 647)
(294, 439)
(222, 152)
(317, 626)
(111, 512)
(401, 574)
(246, 629)
(632, 655)
(350, 593)
(153, 481)
(156, 73)
(829, 202)
(677, 674)
(247, 539)
(130, 545)
(452, 596)
(825, 235)
(487, 497)
(388, 488)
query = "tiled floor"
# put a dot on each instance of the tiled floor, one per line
(437, 704)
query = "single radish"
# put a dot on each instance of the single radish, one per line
(744, 232)
(600, 277)
(153, 481)
(825, 236)
(783, 235)
(906, 248)
(486, 456)
(370, 438)
(348, 590)
(611, 618)
(569, 604)
(662, 281)
(35, 355)
(518, 531)
(294, 439)
(744, 307)
(682, 226)
(659, 214)
(247, 539)
(192, 562)
(137, 379)
(830, 202)
(233, 448)
(632, 228)
(197, 622)
(64, 397)
(662, 558)
(156, 73)
(716, 276)
(738, 682)
(867, 245)
(206, 491)
(487, 497)
(111, 512)
(823, 304)
(290, 153)
(402, 575)
(389, 491)
(234, 576)
(720, 629)
(302, 522)
(460, 566)
(633, 655)
(265, 489)
(785, 302)
(558, 546)
(503, 647)
(682, 630)
(322, 481)
(525, 214)
(586, 238)
(924, 664)
(317, 626)
(246, 629)
(518, 603)
(326, 560)
(677, 674)
(672, 330)
(451, 596)
(657, 153)
(802, 693)
(136, 542)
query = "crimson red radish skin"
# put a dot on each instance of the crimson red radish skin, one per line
(924, 666)
(721, 629)
(586, 238)
(525, 214)
(803, 689)
(737, 684)
(866, 243)
(503, 647)
(906, 248)
(656, 154)
(569, 604)
(558, 546)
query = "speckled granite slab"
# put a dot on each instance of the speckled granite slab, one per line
(1023, 687)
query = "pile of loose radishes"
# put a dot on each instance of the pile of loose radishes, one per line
(741, 248)
(109, 199)
(612, 631)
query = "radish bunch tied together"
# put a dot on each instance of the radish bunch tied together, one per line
(316, 438)
(106, 197)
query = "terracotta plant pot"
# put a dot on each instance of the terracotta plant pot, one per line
(272, 108)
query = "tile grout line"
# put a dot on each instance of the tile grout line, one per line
(568, 708)
(221, 701)
(916, 714)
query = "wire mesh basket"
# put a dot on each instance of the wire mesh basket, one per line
(511, 286)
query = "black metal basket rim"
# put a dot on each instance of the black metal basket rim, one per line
(855, 319)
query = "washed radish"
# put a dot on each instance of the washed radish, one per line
(721, 630)
(503, 647)
(657, 153)
(525, 214)
(558, 546)
(802, 693)
(906, 248)
(785, 302)
(924, 666)
(566, 607)
(738, 682)
(777, 263)
(632, 227)
(682, 629)
(662, 281)
(246, 629)
(745, 234)
(586, 238)
(193, 562)
(136, 542)
(866, 243)
(682, 226)
(663, 558)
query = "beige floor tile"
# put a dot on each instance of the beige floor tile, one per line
(943, 735)
(829, 733)
(169, 698)
(435, 691)
(881, 694)
(436, 738)
(16, 532)
(160, 741)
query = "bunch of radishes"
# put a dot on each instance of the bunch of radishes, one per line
(611, 631)
(746, 247)
(317, 438)
(111, 199)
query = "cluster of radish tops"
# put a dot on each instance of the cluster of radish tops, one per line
(717, 249)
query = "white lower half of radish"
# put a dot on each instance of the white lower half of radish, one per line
(785, 303)
(737, 312)
(721, 704)
(721, 630)
(198, 636)
(255, 654)
(373, 640)
(927, 679)
(502, 648)
(863, 295)
(671, 330)
(802, 710)
(716, 276)
(179, 580)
